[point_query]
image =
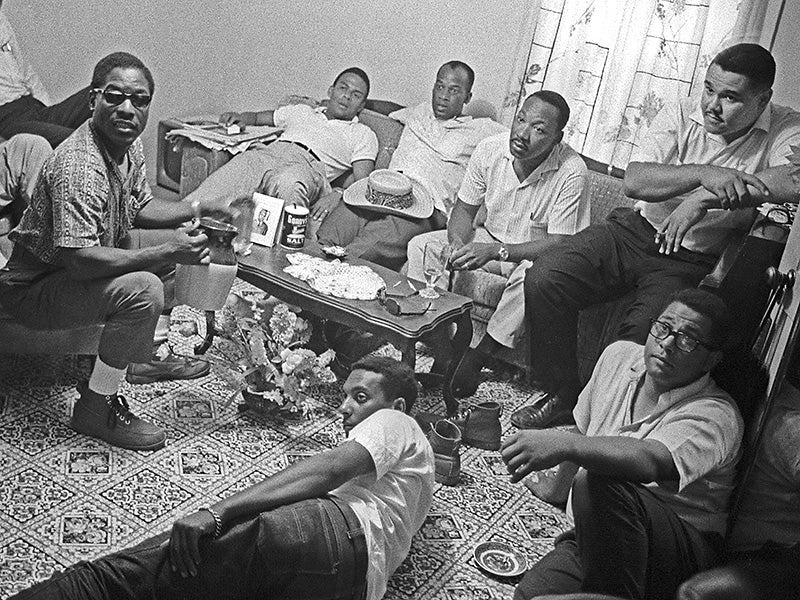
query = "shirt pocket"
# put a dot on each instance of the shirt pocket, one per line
(537, 230)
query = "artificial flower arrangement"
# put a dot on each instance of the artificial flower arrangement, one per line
(258, 352)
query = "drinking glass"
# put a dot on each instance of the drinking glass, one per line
(434, 263)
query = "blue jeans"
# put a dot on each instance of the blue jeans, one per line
(310, 550)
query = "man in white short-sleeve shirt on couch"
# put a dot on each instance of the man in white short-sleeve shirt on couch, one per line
(317, 146)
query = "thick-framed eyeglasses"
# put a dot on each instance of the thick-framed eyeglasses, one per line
(117, 97)
(394, 308)
(683, 341)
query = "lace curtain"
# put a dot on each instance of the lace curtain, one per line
(617, 62)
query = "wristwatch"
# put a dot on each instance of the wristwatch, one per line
(502, 252)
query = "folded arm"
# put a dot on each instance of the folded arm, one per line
(310, 478)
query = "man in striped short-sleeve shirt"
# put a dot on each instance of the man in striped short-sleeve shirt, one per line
(532, 185)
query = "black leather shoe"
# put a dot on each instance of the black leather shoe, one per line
(547, 411)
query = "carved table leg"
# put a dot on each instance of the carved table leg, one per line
(460, 344)
(210, 332)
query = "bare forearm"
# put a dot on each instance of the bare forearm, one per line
(261, 117)
(310, 478)
(654, 182)
(627, 458)
(782, 188)
(459, 226)
(163, 214)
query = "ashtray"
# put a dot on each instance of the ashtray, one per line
(334, 251)
(498, 558)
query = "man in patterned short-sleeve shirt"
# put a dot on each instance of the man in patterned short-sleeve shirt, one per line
(72, 264)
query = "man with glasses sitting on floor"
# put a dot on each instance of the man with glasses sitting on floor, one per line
(655, 448)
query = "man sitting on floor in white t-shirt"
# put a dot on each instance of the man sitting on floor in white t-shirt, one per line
(335, 525)
(317, 146)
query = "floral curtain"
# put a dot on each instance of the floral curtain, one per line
(617, 62)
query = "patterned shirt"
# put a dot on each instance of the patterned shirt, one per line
(337, 143)
(550, 201)
(435, 153)
(82, 199)
(677, 137)
(17, 78)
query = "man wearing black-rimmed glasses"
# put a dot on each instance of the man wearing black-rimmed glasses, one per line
(74, 263)
(649, 467)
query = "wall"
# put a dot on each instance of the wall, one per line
(209, 56)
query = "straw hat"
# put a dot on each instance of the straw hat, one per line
(390, 192)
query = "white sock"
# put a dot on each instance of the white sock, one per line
(105, 379)
(162, 330)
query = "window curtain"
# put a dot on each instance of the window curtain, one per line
(617, 62)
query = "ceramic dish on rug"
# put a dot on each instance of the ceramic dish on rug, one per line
(498, 558)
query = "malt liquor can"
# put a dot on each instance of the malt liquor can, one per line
(293, 230)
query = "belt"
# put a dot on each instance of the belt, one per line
(303, 146)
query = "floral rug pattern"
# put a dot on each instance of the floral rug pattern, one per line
(65, 497)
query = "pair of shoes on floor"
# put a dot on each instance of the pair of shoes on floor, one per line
(467, 377)
(479, 424)
(445, 439)
(108, 417)
(167, 368)
(548, 411)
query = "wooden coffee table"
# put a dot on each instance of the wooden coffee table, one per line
(263, 268)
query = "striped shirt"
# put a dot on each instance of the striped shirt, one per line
(435, 152)
(82, 199)
(550, 201)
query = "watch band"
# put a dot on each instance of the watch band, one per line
(502, 252)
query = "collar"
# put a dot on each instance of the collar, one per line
(321, 110)
(674, 396)
(551, 163)
(450, 123)
(763, 122)
(110, 162)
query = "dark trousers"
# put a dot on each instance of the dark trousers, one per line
(599, 264)
(309, 550)
(626, 543)
(54, 123)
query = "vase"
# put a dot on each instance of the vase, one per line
(260, 403)
(206, 287)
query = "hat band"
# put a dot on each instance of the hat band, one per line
(396, 201)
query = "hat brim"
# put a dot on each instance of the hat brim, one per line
(422, 208)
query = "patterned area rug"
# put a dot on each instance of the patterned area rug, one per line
(65, 497)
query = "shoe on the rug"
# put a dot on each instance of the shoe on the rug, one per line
(445, 439)
(110, 419)
(479, 424)
(171, 366)
(467, 377)
(547, 411)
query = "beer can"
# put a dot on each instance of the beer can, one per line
(293, 230)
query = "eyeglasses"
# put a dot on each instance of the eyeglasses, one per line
(683, 341)
(393, 307)
(117, 97)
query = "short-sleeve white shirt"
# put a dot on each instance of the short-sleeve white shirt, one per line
(338, 144)
(552, 200)
(17, 77)
(435, 152)
(698, 423)
(677, 137)
(391, 505)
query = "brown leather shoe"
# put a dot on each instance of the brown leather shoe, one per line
(445, 439)
(172, 366)
(479, 424)
(547, 411)
(110, 419)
